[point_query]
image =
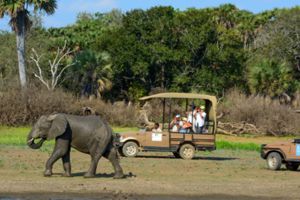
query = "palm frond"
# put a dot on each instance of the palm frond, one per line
(48, 6)
(14, 20)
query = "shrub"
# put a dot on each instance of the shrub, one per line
(119, 113)
(21, 108)
(17, 108)
(268, 115)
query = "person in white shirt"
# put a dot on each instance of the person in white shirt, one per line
(199, 119)
(156, 128)
(176, 123)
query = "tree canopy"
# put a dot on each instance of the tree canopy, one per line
(127, 55)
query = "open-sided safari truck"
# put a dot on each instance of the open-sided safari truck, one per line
(282, 152)
(182, 143)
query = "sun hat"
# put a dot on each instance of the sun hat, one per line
(178, 115)
(184, 119)
(202, 107)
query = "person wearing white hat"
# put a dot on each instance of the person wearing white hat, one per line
(199, 117)
(176, 123)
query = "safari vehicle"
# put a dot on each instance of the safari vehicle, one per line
(183, 145)
(282, 152)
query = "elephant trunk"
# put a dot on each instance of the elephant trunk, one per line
(32, 144)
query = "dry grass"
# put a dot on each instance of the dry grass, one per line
(118, 114)
(268, 115)
(23, 108)
(20, 108)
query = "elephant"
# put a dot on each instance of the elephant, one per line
(87, 134)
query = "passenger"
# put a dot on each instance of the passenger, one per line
(176, 123)
(185, 126)
(156, 128)
(190, 114)
(199, 119)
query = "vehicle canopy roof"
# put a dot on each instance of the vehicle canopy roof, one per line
(176, 95)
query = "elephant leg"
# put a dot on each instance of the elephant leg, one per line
(67, 164)
(93, 167)
(61, 148)
(96, 152)
(113, 157)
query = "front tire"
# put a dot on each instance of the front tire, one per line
(292, 166)
(274, 161)
(130, 149)
(187, 151)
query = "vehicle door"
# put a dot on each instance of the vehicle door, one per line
(158, 139)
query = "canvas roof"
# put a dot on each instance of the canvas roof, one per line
(176, 95)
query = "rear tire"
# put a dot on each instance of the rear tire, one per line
(187, 151)
(130, 149)
(292, 166)
(274, 161)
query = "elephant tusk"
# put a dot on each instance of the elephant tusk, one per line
(30, 141)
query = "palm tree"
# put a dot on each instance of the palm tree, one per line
(18, 11)
(94, 72)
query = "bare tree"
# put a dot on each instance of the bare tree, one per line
(56, 68)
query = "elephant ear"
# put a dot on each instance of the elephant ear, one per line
(58, 126)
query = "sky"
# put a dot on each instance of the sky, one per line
(68, 9)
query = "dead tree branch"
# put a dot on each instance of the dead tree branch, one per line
(237, 128)
(56, 68)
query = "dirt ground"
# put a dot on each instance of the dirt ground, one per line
(222, 174)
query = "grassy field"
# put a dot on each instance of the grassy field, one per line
(16, 136)
(232, 173)
(235, 171)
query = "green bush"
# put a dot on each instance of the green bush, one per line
(237, 146)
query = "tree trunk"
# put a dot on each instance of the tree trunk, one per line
(20, 36)
(162, 84)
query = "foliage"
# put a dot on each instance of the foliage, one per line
(271, 78)
(91, 74)
(88, 30)
(20, 22)
(278, 42)
(122, 56)
(9, 63)
(7, 72)
(238, 146)
(180, 51)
